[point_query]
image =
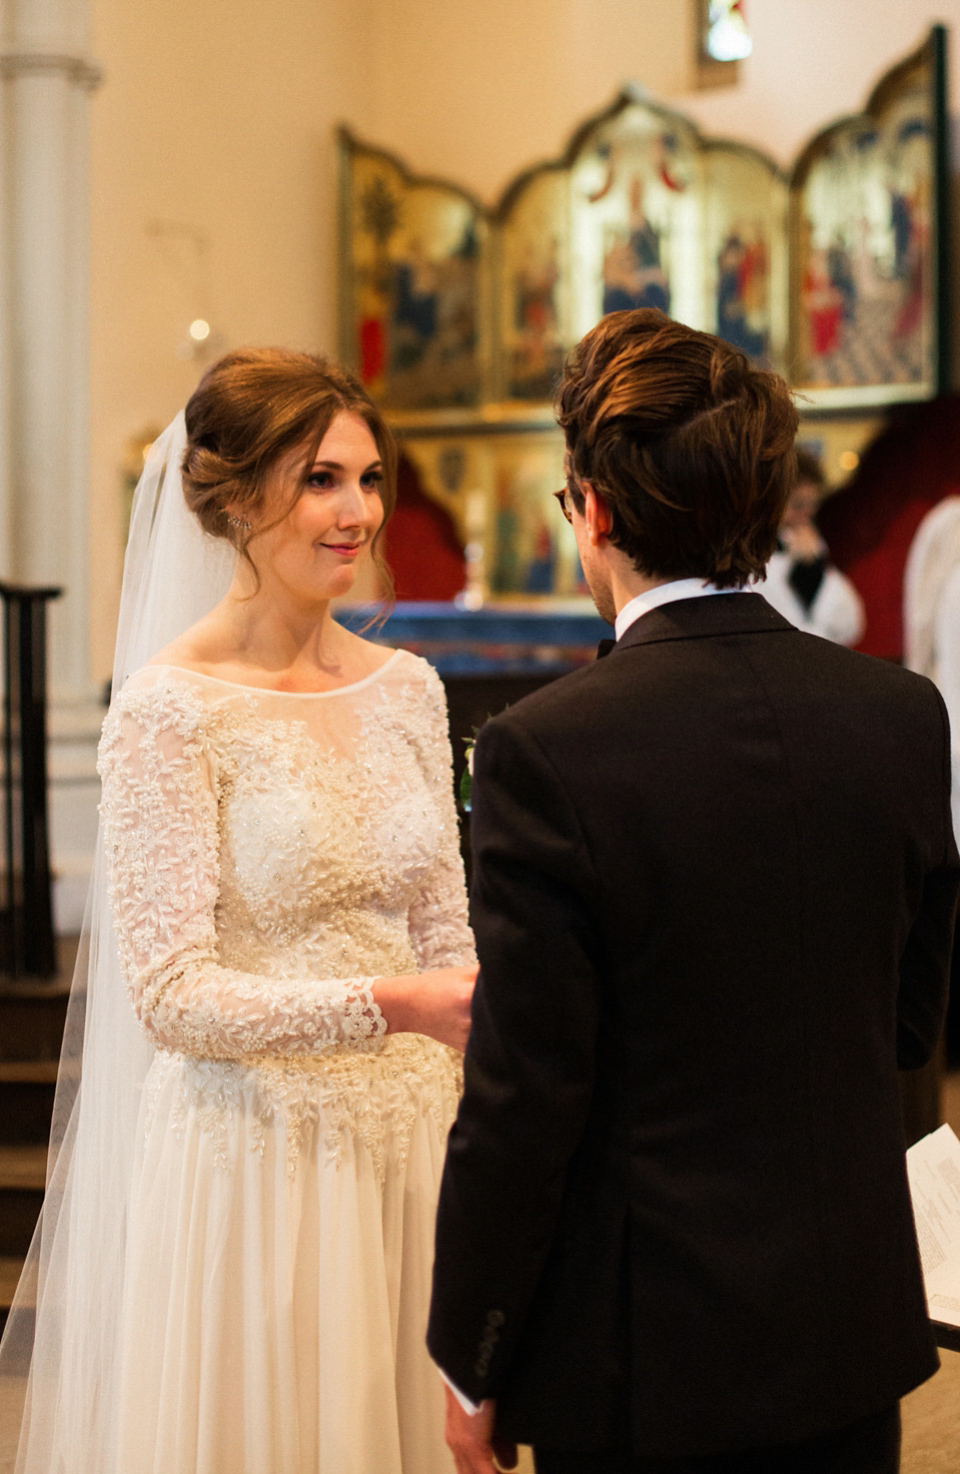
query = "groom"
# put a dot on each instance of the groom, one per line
(714, 891)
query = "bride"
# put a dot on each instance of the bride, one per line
(232, 1272)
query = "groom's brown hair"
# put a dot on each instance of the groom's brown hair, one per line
(687, 442)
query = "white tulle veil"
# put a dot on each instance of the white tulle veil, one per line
(59, 1354)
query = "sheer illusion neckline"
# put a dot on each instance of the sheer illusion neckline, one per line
(374, 675)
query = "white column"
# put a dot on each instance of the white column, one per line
(46, 231)
(46, 79)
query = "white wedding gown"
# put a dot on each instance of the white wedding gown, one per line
(271, 854)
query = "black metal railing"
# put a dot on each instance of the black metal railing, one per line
(26, 918)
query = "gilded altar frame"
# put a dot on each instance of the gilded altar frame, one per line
(457, 316)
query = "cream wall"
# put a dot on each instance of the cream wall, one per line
(218, 115)
(815, 60)
(479, 92)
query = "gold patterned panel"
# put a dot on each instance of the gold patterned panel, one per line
(414, 297)
(865, 247)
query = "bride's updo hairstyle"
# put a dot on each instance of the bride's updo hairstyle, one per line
(252, 408)
(691, 447)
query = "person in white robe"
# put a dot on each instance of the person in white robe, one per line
(801, 583)
(931, 616)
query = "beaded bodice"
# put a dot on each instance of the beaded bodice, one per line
(271, 854)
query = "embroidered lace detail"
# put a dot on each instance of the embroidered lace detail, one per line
(341, 1100)
(270, 856)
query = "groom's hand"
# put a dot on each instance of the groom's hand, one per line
(435, 1003)
(471, 1440)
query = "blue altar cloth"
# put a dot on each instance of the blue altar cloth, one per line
(497, 639)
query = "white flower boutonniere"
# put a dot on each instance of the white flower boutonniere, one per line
(466, 778)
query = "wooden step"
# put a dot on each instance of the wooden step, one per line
(27, 1090)
(67, 949)
(23, 1168)
(32, 1011)
(10, 1271)
(17, 1352)
(23, 1175)
(31, 1022)
(28, 1072)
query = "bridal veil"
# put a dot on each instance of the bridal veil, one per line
(60, 1351)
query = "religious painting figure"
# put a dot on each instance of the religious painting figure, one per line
(506, 577)
(633, 273)
(537, 351)
(865, 250)
(541, 568)
(910, 220)
(742, 294)
(824, 306)
(416, 287)
(433, 324)
(380, 214)
(841, 276)
(416, 299)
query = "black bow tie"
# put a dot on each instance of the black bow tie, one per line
(604, 648)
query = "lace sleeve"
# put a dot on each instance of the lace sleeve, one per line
(439, 930)
(160, 826)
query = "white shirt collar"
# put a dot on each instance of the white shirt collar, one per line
(666, 593)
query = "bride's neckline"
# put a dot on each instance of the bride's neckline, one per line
(186, 670)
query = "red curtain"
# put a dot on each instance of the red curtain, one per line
(422, 544)
(869, 525)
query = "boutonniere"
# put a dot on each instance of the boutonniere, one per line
(466, 777)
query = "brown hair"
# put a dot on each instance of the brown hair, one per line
(251, 408)
(690, 446)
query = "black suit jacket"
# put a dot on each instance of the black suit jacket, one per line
(714, 891)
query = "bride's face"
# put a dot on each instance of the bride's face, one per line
(312, 555)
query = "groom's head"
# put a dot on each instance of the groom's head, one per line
(689, 447)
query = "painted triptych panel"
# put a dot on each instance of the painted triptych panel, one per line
(412, 288)
(458, 316)
(864, 232)
(833, 278)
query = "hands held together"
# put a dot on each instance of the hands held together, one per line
(433, 1003)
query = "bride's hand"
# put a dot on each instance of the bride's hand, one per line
(433, 1003)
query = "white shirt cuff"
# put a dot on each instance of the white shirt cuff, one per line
(469, 1407)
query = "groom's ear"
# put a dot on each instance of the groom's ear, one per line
(596, 514)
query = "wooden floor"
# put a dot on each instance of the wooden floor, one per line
(931, 1422)
(931, 1415)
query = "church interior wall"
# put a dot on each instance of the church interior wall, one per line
(815, 61)
(214, 169)
(214, 196)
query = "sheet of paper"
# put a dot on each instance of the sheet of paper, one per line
(933, 1167)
